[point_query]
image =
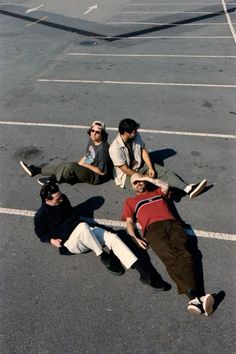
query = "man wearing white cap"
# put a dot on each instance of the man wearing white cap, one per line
(94, 167)
(166, 237)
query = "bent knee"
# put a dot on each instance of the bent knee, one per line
(83, 226)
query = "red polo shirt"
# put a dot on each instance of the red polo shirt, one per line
(147, 208)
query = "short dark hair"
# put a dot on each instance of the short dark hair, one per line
(47, 190)
(128, 125)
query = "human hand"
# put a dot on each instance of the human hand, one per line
(141, 243)
(164, 187)
(151, 172)
(56, 242)
(81, 161)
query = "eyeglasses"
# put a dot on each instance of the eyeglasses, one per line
(95, 131)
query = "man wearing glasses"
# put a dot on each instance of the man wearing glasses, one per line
(95, 167)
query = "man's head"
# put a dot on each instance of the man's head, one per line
(97, 131)
(128, 127)
(51, 194)
(138, 184)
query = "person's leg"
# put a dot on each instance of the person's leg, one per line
(114, 243)
(161, 243)
(168, 176)
(82, 239)
(183, 262)
(83, 174)
(69, 172)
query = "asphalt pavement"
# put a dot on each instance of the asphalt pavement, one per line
(171, 67)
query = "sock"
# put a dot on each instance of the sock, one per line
(192, 293)
(187, 188)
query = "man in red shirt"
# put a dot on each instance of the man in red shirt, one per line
(165, 236)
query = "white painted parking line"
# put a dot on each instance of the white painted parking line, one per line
(166, 23)
(154, 55)
(152, 131)
(34, 9)
(229, 21)
(182, 3)
(138, 83)
(121, 224)
(165, 12)
(160, 37)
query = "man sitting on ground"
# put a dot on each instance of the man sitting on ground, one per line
(129, 155)
(94, 168)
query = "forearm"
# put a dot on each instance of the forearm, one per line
(146, 158)
(130, 227)
(131, 230)
(92, 168)
(128, 171)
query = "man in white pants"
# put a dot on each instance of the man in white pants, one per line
(56, 222)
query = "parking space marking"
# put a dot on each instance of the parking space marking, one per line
(164, 12)
(34, 23)
(138, 83)
(229, 21)
(166, 24)
(154, 55)
(152, 131)
(121, 224)
(34, 9)
(183, 4)
(124, 37)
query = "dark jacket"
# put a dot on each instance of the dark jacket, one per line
(55, 221)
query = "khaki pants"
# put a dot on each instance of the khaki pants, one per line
(85, 237)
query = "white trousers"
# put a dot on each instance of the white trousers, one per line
(85, 237)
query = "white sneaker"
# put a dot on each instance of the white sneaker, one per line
(197, 188)
(195, 307)
(207, 304)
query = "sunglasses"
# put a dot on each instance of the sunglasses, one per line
(95, 131)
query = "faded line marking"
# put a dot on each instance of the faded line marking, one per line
(34, 23)
(116, 223)
(165, 23)
(155, 55)
(34, 9)
(229, 21)
(164, 12)
(91, 8)
(153, 131)
(161, 37)
(183, 4)
(109, 82)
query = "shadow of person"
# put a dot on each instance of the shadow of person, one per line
(142, 255)
(88, 207)
(158, 156)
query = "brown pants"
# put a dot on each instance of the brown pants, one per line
(168, 241)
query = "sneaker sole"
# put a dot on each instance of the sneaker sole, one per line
(116, 273)
(208, 303)
(25, 168)
(194, 310)
(199, 189)
(41, 183)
